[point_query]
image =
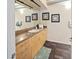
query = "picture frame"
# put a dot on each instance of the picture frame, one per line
(35, 16)
(27, 18)
(55, 17)
(45, 16)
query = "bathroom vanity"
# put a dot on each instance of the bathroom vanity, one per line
(29, 43)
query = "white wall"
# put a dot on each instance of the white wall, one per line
(20, 16)
(59, 32)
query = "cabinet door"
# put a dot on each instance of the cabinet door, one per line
(35, 45)
(26, 54)
(21, 46)
(23, 50)
(43, 37)
(38, 42)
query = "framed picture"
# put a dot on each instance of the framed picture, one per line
(45, 16)
(55, 17)
(27, 18)
(35, 16)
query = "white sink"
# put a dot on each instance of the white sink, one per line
(34, 30)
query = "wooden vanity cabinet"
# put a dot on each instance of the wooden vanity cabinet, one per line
(23, 50)
(30, 47)
(38, 42)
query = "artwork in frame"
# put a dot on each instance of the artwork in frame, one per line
(35, 16)
(27, 18)
(45, 16)
(55, 17)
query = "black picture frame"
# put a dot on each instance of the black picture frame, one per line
(27, 18)
(55, 17)
(45, 16)
(35, 16)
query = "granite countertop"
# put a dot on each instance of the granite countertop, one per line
(20, 38)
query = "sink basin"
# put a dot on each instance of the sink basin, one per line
(34, 30)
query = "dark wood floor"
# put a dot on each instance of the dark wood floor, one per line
(59, 51)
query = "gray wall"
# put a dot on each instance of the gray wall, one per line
(10, 28)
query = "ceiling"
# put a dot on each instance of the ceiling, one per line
(34, 4)
(50, 2)
(19, 6)
(54, 0)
